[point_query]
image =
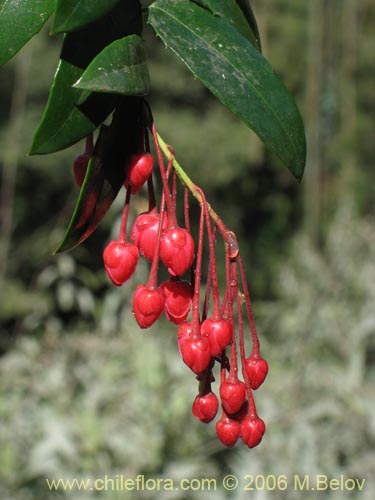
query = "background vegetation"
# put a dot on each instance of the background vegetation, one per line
(84, 392)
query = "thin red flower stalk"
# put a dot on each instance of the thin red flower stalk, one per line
(207, 293)
(172, 220)
(213, 269)
(233, 371)
(152, 279)
(252, 408)
(195, 320)
(174, 188)
(254, 335)
(124, 218)
(228, 236)
(151, 194)
(186, 209)
(187, 227)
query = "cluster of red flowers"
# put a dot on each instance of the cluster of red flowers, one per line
(214, 331)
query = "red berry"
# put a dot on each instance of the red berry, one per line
(178, 296)
(252, 431)
(139, 169)
(233, 395)
(219, 333)
(148, 304)
(205, 407)
(79, 168)
(256, 369)
(195, 352)
(228, 431)
(144, 232)
(120, 260)
(177, 250)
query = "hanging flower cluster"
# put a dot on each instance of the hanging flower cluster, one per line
(209, 334)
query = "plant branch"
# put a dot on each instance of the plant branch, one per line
(229, 237)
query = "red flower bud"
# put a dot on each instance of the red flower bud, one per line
(177, 250)
(120, 260)
(144, 232)
(178, 296)
(195, 352)
(139, 170)
(205, 407)
(256, 369)
(219, 333)
(252, 431)
(233, 395)
(228, 431)
(148, 304)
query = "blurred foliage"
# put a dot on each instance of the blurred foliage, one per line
(84, 392)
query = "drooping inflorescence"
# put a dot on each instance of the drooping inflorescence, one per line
(211, 327)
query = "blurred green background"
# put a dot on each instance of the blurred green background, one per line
(84, 392)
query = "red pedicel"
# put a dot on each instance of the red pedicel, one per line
(144, 232)
(232, 394)
(256, 369)
(178, 296)
(138, 171)
(120, 260)
(177, 250)
(252, 431)
(228, 430)
(205, 407)
(219, 333)
(148, 304)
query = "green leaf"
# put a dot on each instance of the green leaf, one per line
(20, 20)
(235, 72)
(230, 11)
(249, 14)
(62, 123)
(120, 68)
(106, 171)
(70, 113)
(73, 14)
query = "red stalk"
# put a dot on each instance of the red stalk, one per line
(254, 335)
(124, 218)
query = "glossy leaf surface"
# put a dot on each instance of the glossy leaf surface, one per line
(70, 112)
(20, 20)
(120, 68)
(232, 13)
(236, 73)
(73, 14)
(62, 123)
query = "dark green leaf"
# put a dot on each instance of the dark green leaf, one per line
(249, 14)
(62, 123)
(230, 11)
(69, 116)
(106, 171)
(20, 20)
(234, 71)
(120, 68)
(73, 14)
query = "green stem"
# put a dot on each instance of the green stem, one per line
(229, 237)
